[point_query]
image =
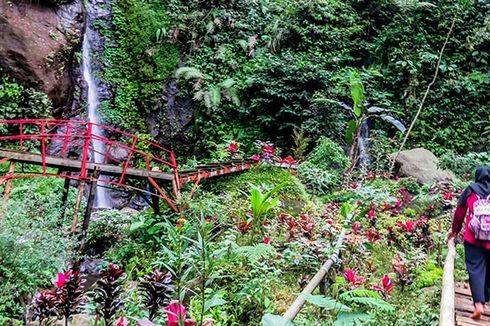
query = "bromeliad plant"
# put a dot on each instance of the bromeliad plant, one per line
(261, 204)
(107, 293)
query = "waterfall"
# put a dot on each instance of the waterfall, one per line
(363, 144)
(102, 197)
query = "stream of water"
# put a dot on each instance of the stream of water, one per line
(102, 197)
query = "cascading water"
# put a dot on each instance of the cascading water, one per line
(362, 145)
(102, 197)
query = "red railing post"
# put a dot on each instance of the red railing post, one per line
(43, 146)
(21, 129)
(126, 164)
(86, 148)
(176, 181)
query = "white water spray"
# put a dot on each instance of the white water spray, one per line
(102, 197)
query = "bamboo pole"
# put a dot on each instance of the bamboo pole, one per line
(296, 306)
(446, 317)
(81, 189)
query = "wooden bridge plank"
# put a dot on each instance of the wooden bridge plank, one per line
(75, 165)
(464, 308)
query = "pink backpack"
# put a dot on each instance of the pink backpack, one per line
(480, 220)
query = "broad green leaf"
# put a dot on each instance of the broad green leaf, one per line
(355, 318)
(213, 302)
(345, 210)
(350, 132)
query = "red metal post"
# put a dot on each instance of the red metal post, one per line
(126, 164)
(43, 146)
(86, 148)
(21, 128)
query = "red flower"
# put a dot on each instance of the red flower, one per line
(354, 185)
(448, 196)
(352, 278)
(408, 226)
(233, 148)
(244, 227)
(269, 149)
(373, 235)
(356, 227)
(430, 207)
(176, 311)
(122, 321)
(398, 203)
(371, 213)
(266, 240)
(289, 160)
(62, 277)
(255, 157)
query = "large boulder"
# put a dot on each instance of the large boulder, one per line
(38, 43)
(421, 164)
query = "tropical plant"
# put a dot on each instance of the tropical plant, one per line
(107, 293)
(156, 290)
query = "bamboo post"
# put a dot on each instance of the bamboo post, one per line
(446, 317)
(295, 308)
(90, 201)
(64, 198)
(8, 185)
(7, 189)
(81, 189)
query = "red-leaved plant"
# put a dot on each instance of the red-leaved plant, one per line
(107, 293)
(385, 287)
(69, 294)
(156, 289)
(354, 280)
(43, 305)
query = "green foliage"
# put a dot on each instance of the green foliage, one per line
(33, 246)
(140, 64)
(323, 167)
(19, 102)
(464, 165)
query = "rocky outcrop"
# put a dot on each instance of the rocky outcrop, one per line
(38, 43)
(421, 164)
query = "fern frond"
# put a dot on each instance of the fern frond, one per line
(360, 292)
(325, 302)
(188, 73)
(255, 253)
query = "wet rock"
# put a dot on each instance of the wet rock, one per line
(421, 164)
(38, 44)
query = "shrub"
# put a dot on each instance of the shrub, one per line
(323, 166)
(464, 165)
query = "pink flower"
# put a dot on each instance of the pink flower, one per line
(371, 213)
(398, 203)
(354, 185)
(352, 278)
(255, 157)
(62, 277)
(122, 321)
(408, 226)
(233, 148)
(176, 311)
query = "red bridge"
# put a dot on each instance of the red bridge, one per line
(67, 148)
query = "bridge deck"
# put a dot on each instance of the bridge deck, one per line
(76, 165)
(464, 308)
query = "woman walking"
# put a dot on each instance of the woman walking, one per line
(476, 200)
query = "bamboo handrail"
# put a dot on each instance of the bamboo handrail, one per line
(296, 306)
(446, 316)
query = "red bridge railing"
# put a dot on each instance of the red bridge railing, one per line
(73, 139)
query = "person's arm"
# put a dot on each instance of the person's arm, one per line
(458, 219)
